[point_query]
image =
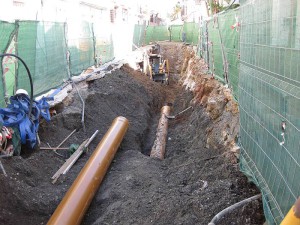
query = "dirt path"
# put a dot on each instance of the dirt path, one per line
(190, 186)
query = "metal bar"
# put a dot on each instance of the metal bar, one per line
(2, 168)
(78, 198)
(54, 150)
(225, 63)
(68, 162)
(180, 113)
(134, 45)
(83, 106)
(183, 111)
(50, 148)
(65, 139)
(91, 138)
(75, 156)
(207, 45)
(82, 149)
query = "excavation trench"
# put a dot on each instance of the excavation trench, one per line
(195, 181)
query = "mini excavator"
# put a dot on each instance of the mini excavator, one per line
(158, 68)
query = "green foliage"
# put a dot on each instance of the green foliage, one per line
(216, 7)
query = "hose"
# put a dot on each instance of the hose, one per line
(29, 76)
(231, 208)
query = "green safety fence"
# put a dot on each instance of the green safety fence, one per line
(6, 31)
(104, 51)
(81, 46)
(269, 101)
(215, 50)
(27, 41)
(188, 32)
(176, 33)
(259, 61)
(191, 31)
(156, 33)
(229, 32)
(6, 35)
(139, 35)
(219, 46)
(9, 70)
(104, 48)
(203, 42)
(43, 47)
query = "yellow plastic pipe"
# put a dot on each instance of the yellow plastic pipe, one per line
(290, 218)
(75, 203)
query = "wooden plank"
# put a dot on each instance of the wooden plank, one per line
(76, 154)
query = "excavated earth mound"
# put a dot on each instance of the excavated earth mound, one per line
(195, 181)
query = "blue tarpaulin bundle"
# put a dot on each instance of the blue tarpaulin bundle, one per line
(16, 115)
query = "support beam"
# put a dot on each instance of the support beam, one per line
(78, 198)
(159, 146)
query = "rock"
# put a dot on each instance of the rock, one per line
(215, 106)
(204, 100)
(232, 107)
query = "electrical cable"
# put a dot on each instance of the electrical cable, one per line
(29, 76)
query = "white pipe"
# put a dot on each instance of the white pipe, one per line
(231, 208)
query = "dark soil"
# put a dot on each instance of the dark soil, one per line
(190, 186)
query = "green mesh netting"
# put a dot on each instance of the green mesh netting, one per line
(215, 50)
(146, 35)
(104, 49)
(176, 32)
(9, 68)
(269, 96)
(219, 46)
(230, 39)
(266, 81)
(26, 39)
(6, 33)
(191, 31)
(6, 30)
(42, 46)
(139, 35)
(203, 44)
(156, 33)
(81, 46)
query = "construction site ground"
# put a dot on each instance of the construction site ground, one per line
(198, 178)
